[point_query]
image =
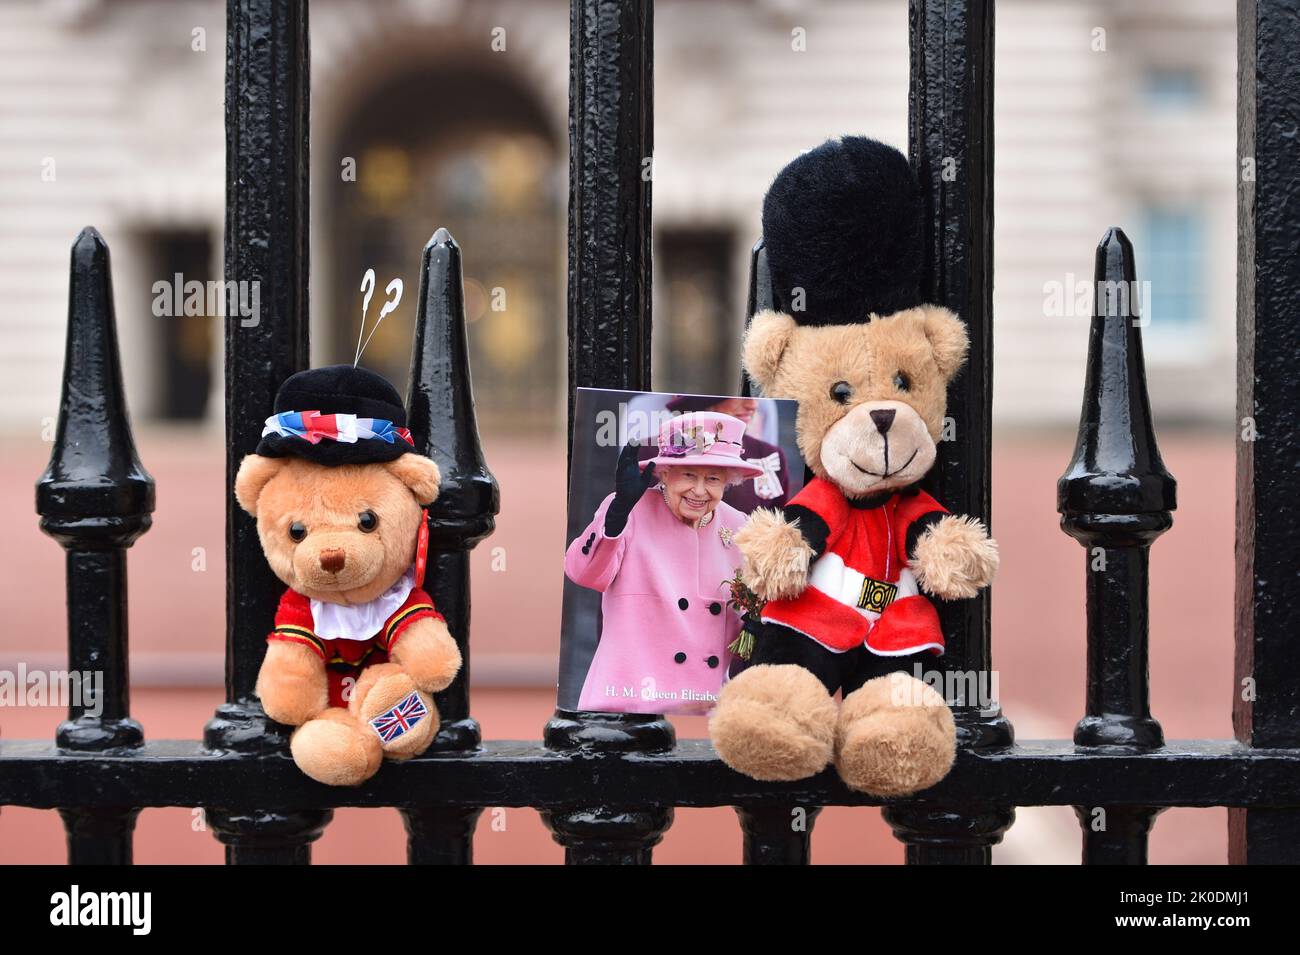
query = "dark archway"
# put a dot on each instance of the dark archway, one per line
(467, 148)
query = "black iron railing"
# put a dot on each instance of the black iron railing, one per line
(607, 786)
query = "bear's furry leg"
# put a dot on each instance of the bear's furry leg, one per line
(774, 722)
(895, 736)
(380, 688)
(335, 750)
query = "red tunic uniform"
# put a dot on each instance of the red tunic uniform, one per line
(859, 588)
(345, 659)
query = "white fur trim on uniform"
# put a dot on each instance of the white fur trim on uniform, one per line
(906, 651)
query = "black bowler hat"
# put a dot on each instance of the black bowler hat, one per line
(339, 414)
(842, 223)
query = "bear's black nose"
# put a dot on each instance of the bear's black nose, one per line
(884, 419)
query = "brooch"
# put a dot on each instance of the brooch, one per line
(726, 534)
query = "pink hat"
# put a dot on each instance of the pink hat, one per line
(705, 439)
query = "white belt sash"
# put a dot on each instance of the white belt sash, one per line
(843, 584)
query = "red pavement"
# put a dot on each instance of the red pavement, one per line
(176, 615)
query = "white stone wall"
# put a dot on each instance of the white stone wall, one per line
(132, 117)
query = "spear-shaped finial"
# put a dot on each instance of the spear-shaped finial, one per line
(95, 490)
(1116, 469)
(440, 406)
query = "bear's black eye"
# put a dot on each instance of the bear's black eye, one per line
(902, 382)
(367, 521)
(297, 531)
(842, 391)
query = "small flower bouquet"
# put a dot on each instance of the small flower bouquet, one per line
(748, 604)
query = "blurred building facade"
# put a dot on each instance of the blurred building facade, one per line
(453, 113)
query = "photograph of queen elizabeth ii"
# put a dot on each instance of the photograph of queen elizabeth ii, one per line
(650, 623)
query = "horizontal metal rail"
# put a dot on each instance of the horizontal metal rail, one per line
(518, 773)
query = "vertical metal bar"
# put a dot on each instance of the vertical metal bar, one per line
(100, 836)
(950, 134)
(759, 297)
(95, 498)
(611, 145)
(268, 78)
(1115, 499)
(268, 838)
(937, 836)
(440, 411)
(951, 145)
(609, 836)
(440, 836)
(777, 835)
(1266, 708)
(611, 130)
(1116, 835)
(611, 139)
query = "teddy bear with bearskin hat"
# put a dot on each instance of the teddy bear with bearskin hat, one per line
(848, 568)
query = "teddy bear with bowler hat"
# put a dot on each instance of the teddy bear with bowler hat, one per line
(357, 647)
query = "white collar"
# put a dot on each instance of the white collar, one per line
(360, 621)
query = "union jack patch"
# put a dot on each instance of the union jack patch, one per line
(404, 716)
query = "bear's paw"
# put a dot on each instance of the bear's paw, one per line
(776, 556)
(955, 558)
(292, 683)
(428, 654)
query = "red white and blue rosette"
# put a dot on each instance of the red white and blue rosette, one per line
(314, 427)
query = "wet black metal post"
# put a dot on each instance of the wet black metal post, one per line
(759, 297)
(1115, 498)
(1266, 693)
(440, 412)
(779, 835)
(611, 136)
(95, 499)
(268, 77)
(951, 146)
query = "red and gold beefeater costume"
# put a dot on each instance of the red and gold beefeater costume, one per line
(345, 658)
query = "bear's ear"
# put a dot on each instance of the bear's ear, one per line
(765, 342)
(254, 471)
(948, 339)
(418, 473)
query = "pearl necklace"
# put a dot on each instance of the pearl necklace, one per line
(703, 521)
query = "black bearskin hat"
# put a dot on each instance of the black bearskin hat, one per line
(843, 223)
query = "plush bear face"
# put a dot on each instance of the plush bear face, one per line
(871, 395)
(342, 534)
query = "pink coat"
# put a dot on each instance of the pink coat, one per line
(663, 644)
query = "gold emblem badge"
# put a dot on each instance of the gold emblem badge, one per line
(877, 595)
